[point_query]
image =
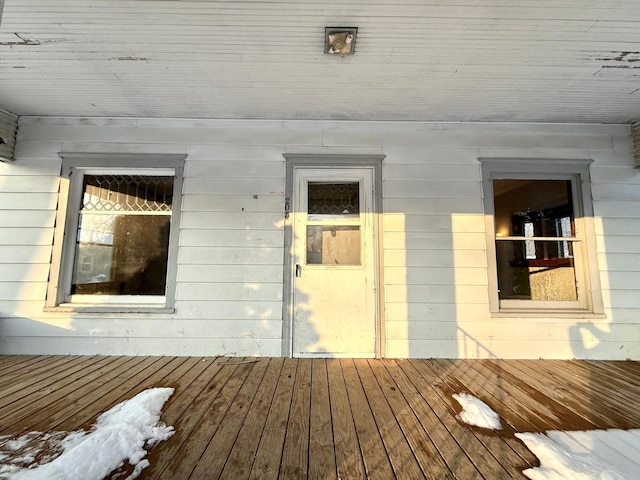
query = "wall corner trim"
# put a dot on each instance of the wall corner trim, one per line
(8, 133)
(635, 136)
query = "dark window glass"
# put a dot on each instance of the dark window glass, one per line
(123, 235)
(334, 199)
(535, 231)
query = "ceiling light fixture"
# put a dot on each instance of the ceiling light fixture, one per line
(340, 40)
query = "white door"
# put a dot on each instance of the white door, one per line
(334, 302)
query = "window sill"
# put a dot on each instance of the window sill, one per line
(576, 314)
(110, 308)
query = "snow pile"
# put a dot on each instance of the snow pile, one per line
(590, 455)
(476, 412)
(120, 434)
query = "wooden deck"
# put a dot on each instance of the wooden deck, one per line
(239, 418)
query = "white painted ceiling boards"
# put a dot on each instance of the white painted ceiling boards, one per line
(422, 60)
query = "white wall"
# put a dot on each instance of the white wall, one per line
(231, 254)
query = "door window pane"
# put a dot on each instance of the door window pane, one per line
(333, 245)
(333, 199)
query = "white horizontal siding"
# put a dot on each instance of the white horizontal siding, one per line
(149, 345)
(32, 218)
(28, 201)
(229, 296)
(223, 291)
(30, 184)
(435, 276)
(232, 203)
(231, 238)
(229, 256)
(434, 258)
(25, 236)
(616, 192)
(250, 274)
(23, 290)
(225, 220)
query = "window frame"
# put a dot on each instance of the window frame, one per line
(589, 302)
(74, 167)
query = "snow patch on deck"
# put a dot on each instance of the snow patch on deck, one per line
(121, 434)
(477, 413)
(584, 455)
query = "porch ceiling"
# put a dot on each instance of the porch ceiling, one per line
(418, 60)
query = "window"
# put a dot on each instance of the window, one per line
(540, 241)
(118, 246)
(333, 224)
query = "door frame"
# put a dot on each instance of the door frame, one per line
(322, 161)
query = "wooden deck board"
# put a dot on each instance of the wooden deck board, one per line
(248, 439)
(423, 449)
(374, 455)
(485, 453)
(222, 394)
(396, 444)
(349, 461)
(511, 395)
(456, 459)
(502, 401)
(18, 364)
(20, 396)
(295, 455)
(611, 384)
(323, 463)
(221, 443)
(506, 449)
(541, 398)
(269, 418)
(20, 378)
(43, 413)
(575, 416)
(266, 464)
(185, 414)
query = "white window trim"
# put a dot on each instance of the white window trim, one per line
(58, 291)
(586, 261)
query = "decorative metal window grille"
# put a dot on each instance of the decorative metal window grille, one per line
(127, 193)
(334, 198)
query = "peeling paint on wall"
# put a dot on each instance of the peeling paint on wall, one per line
(130, 59)
(21, 41)
(628, 57)
(625, 59)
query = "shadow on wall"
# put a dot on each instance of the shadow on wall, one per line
(587, 338)
(27, 329)
(617, 335)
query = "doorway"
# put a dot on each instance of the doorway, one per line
(333, 282)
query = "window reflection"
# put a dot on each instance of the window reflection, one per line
(535, 232)
(123, 235)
